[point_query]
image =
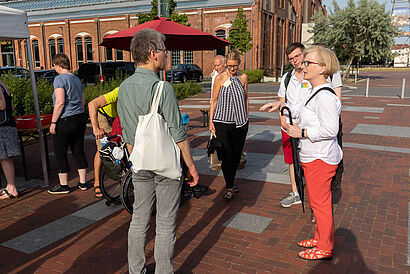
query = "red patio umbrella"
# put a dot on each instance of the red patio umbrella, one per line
(179, 37)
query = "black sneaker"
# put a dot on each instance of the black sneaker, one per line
(59, 189)
(82, 186)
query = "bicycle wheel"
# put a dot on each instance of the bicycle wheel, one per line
(110, 189)
(127, 191)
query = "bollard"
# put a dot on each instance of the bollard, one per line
(355, 77)
(367, 87)
(402, 88)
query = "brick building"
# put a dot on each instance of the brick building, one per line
(76, 27)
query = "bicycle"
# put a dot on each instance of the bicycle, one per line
(127, 187)
(115, 159)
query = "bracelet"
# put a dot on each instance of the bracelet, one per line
(54, 123)
(303, 133)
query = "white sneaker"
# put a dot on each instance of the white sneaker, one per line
(293, 199)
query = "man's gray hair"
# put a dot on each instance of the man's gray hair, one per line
(143, 42)
(221, 57)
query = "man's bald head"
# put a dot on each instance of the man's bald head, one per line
(219, 63)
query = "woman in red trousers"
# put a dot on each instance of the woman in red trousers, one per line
(319, 153)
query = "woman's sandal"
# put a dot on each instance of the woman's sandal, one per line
(308, 243)
(228, 194)
(316, 254)
(97, 192)
(5, 195)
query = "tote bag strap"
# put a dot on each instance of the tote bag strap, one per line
(157, 97)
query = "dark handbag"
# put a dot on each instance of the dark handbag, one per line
(214, 144)
(3, 113)
(3, 117)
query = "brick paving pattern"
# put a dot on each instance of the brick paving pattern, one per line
(371, 212)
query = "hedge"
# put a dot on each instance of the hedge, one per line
(254, 76)
(22, 97)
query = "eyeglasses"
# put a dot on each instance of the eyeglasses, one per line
(307, 63)
(296, 56)
(164, 50)
(233, 66)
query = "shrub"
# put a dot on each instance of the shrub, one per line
(185, 90)
(22, 95)
(254, 76)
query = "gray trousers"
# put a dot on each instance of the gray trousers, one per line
(147, 187)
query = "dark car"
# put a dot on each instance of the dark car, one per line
(186, 72)
(17, 71)
(47, 74)
(99, 72)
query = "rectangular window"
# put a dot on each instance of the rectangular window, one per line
(118, 55)
(89, 49)
(188, 57)
(36, 53)
(79, 50)
(52, 49)
(278, 43)
(108, 55)
(176, 57)
(7, 53)
(220, 34)
(60, 45)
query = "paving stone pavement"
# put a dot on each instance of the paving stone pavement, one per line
(250, 234)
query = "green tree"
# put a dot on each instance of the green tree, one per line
(239, 34)
(178, 18)
(362, 32)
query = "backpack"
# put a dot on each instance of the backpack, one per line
(337, 178)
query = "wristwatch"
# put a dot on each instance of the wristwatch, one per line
(54, 123)
(303, 133)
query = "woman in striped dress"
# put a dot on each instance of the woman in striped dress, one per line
(229, 117)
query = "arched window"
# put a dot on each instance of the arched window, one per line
(52, 49)
(60, 45)
(36, 53)
(79, 50)
(220, 34)
(88, 49)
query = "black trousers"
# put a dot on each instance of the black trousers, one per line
(70, 133)
(233, 140)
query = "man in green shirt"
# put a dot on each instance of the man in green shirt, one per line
(135, 99)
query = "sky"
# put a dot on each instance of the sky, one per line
(343, 3)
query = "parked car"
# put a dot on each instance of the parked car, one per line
(99, 72)
(48, 74)
(17, 71)
(185, 72)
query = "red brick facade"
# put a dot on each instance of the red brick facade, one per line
(273, 24)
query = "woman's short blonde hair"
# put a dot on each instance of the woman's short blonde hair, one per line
(325, 57)
(233, 55)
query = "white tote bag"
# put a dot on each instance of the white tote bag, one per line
(154, 148)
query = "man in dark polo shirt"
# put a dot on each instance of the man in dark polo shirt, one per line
(135, 99)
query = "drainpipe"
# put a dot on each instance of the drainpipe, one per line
(69, 45)
(252, 33)
(99, 38)
(44, 45)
